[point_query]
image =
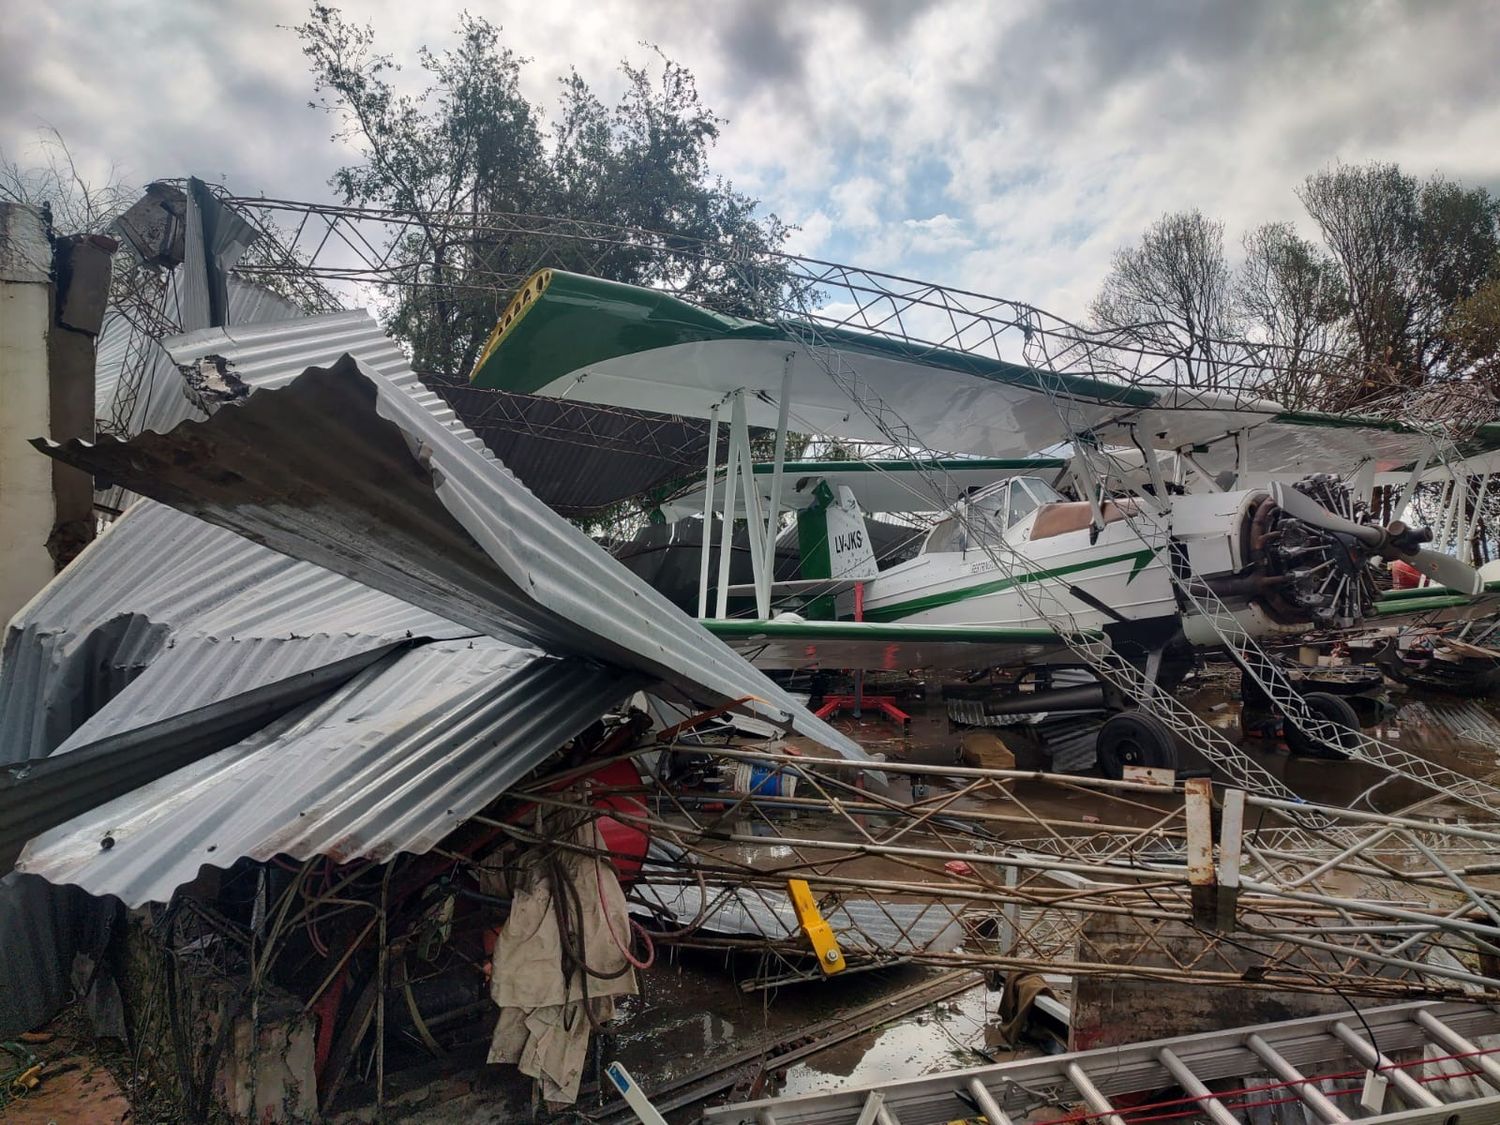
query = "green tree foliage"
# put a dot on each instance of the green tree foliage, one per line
(1408, 254)
(1473, 332)
(470, 150)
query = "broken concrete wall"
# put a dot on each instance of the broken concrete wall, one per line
(52, 299)
(193, 1024)
(27, 509)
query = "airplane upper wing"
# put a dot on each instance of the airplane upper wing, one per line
(884, 647)
(566, 335)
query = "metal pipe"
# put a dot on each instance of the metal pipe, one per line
(989, 1107)
(1083, 697)
(754, 526)
(1195, 1087)
(1412, 1091)
(778, 467)
(1096, 1101)
(726, 533)
(1391, 820)
(1311, 1096)
(1466, 540)
(1458, 1045)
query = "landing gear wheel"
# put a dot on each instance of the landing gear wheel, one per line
(1336, 711)
(1134, 738)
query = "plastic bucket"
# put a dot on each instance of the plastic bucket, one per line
(763, 781)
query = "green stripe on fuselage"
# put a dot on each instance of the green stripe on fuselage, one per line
(895, 612)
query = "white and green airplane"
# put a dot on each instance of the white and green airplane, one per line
(1281, 561)
(1267, 506)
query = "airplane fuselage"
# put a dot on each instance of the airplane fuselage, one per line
(1035, 575)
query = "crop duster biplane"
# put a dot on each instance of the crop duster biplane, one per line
(1267, 507)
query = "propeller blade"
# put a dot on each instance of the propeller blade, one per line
(1310, 512)
(1447, 571)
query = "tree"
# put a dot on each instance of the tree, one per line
(1473, 335)
(1171, 293)
(1409, 255)
(77, 205)
(1292, 295)
(471, 147)
(1458, 251)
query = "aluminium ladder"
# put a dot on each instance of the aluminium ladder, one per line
(1305, 1057)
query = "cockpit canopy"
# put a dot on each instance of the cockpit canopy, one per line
(990, 514)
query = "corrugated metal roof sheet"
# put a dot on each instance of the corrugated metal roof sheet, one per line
(42, 927)
(160, 403)
(392, 762)
(266, 356)
(197, 671)
(155, 581)
(344, 468)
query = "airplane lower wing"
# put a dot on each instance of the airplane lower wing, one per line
(884, 647)
(1431, 605)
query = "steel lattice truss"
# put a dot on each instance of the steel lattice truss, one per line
(578, 423)
(1375, 904)
(368, 250)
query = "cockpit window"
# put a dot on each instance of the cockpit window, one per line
(1022, 503)
(990, 515)
(944, 536)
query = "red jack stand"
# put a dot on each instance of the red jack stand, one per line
(885, 704)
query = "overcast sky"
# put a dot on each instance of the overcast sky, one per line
(1003, 147)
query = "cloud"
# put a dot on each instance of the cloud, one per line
(811, 236)
(1002, 148)
(936, 235)
(857, 202)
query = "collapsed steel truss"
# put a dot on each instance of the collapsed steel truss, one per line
(360, 249)
(1375, 904)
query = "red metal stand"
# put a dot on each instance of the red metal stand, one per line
(857, 702)
(886, 704)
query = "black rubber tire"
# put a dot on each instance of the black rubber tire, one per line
(1134, 738)
(1324, 706)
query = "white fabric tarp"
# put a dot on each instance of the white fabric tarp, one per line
(544, 1017)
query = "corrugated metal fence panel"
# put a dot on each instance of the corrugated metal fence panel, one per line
(344, 468)
(42, 927)
(392, 762)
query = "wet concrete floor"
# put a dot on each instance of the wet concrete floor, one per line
(693, 1013)
(695, 1009)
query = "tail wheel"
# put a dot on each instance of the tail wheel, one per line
(1329, 708)
(1134, 738)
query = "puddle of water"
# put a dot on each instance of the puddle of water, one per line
(941, 1038)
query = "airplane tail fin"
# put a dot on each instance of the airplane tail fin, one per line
(832, 537)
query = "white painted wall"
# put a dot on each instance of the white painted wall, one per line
(27, 507)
